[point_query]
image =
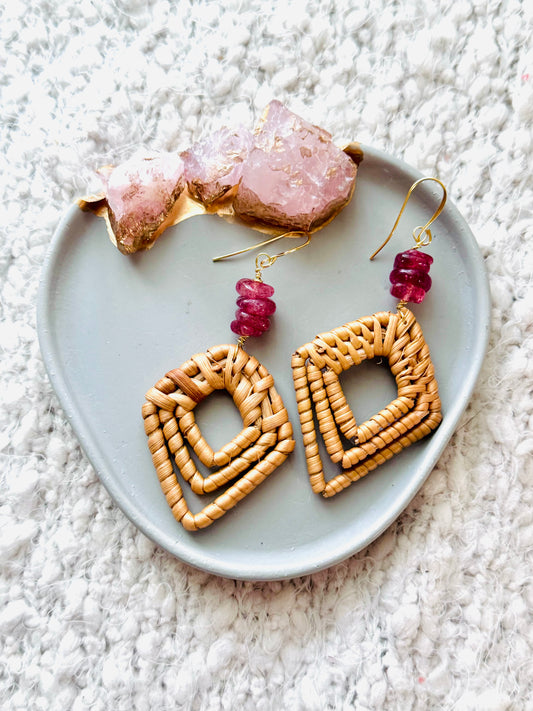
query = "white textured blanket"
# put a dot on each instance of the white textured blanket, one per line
(436, 614)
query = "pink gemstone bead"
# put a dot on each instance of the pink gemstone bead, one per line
(410, 278)
(413, 259)
(242, 329)
(415, 277)
(254, 307)
(407, 292)
(258, 307)
(261, 322)
(254, 289)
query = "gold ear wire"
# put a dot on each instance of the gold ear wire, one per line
(270, 261)
(420, 241)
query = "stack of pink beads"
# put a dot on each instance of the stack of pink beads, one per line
(410, 276)
(255, 306)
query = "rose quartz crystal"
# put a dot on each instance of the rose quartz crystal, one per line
(295, 177)
(140, 194)
(214, 164)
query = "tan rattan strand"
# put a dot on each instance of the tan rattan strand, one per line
(169, 422)
(412, 415)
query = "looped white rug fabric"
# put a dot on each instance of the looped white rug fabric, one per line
(436, 614)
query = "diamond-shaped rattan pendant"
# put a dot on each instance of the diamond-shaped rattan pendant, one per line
(412, 415)
(263, 444)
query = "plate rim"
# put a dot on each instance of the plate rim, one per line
(481, 332)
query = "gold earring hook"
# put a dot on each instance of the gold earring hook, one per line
(420, 241)
(270, 261)
(264, 260)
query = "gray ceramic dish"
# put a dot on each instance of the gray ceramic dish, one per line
(110, 326)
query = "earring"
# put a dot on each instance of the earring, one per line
(266, 438)
(316, 367)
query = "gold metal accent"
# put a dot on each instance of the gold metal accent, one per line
(418, 231)
(241, 341)
(290, 235)
(401, 308)
(264, 260)
(354, 151)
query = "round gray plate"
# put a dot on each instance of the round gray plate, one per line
(110, 326)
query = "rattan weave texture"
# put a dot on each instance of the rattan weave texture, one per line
(414, 413)
(263, 444)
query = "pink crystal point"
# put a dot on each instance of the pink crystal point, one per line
(254, 308)
(295, 177)
(214, 164)
(140, 194)
(410, 276)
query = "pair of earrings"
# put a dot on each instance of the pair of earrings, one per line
(266, 439)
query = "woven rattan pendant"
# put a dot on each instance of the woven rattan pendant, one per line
(266, 438)
(250, 457)
(412, 415)
(316, 366)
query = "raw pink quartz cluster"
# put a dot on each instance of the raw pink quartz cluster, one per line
(288, 174)
(214, 165)
(295, 176)
(140, 194)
